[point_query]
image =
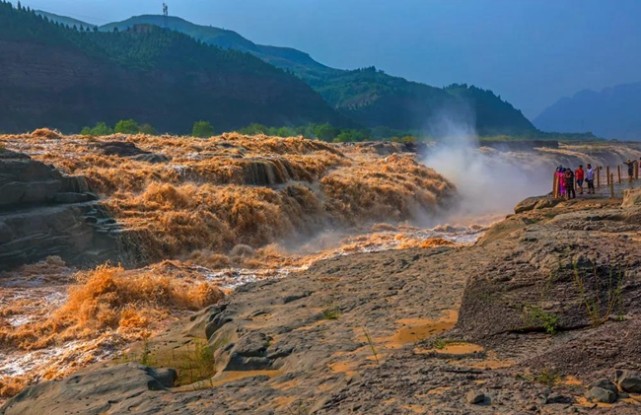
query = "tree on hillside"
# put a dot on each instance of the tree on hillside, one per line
(254, 129)
(202, 129)
(147, 129)
(98, 130)
(285, 132)
(347, 136)
(127, 127)
(325, 132)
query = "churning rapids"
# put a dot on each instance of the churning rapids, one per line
(192, 219)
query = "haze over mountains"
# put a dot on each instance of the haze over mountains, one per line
(611, 113)
(137, 55)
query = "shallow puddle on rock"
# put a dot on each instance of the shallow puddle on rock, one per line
(231, 376)
(586, 403)
(572, 381)
(283, 401)
(413, 330)
(460, 348)
(348, 368)
(491, 364)
(287, 385)
(439, 390)
(633, 400)
(228, 377)
(417, 409)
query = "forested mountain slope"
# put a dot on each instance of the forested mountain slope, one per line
(369, 96)
(63, 78)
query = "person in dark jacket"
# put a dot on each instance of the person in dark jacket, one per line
(569, 184)
(631, 164)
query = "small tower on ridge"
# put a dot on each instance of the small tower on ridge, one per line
(165, 13)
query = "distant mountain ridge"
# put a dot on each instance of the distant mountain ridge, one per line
(63, 78)
(285, 58)
(613, 112)
(69, 21)
(369, 96)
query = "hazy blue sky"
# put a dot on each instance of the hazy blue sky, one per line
(531, 52)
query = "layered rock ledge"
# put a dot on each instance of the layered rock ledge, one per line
(43, 212)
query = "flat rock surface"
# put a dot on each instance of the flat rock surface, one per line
(381, 333)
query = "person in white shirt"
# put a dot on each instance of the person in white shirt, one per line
(589, 179)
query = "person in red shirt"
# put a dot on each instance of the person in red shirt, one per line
(579, 175)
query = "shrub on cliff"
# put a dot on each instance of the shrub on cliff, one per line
(98, 130)
(127, 127)
(147, 129)
(202, 129)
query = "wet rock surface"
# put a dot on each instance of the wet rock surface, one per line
(562, 268)
(43, 212)
(379, 333)
(25, 182)
(121, 389)
(127, 149)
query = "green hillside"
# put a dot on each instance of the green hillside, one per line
(68, 21)
(286, 58)
(67, 79)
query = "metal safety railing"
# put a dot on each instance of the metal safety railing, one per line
(609, 178)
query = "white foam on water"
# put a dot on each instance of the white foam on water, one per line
(232, 278)
(19, 320)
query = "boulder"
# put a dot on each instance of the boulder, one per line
(555, 398)
(538, 202)
(476, 398)
(601, 395)
(547, 202)
(603, 390)
(605, 384)
(119, 148)
(526, 205)
(250, 353)
(629, 381)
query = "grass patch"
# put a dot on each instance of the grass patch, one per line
(193, 362)
(298, 408)
(371, 345)
(547, 377)
(440, 343)
(331, 313)
(603, 302)
(537, 316)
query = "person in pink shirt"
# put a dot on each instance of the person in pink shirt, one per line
(560, 179)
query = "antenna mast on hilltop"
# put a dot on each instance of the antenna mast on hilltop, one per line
(165, 13)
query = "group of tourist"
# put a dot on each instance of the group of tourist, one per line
(567, 182)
